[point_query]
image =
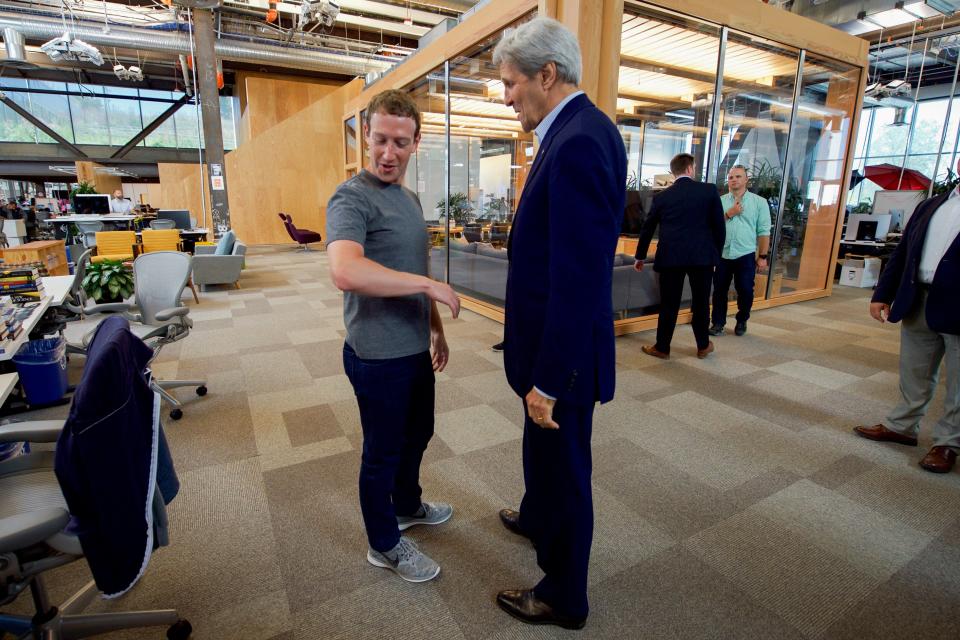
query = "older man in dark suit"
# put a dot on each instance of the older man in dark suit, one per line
(692, 233)
(559, 352)
(921, 286)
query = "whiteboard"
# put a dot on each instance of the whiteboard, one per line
(893, 201)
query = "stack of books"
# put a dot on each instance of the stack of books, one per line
(11, 323)
(21, 284)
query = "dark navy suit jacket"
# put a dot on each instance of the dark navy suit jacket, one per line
(692, 230)
(558, 329)
(898, 282)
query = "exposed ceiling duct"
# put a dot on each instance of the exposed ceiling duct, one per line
(16, 51)
(864, 16)
(175, 43)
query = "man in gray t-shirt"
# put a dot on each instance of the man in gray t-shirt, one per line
(378, 249)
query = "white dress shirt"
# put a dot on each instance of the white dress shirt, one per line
(943, 230)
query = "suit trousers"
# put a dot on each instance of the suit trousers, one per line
(557, 507)
(743, 272)
(396, 400)
(671, 291)
(921, 353)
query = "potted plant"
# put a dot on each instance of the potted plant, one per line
(108, 281)
(82, 187)
(947, 184)
(458, 208)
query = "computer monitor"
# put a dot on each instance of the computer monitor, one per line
(865, 226)
(180, 217)
(91, 203)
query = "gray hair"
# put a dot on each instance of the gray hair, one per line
(746, 171)
(532, 45)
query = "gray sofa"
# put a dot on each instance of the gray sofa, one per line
(480, 271)
(209, 268)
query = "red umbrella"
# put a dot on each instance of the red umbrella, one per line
(888, 177)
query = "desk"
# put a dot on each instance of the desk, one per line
(57, 287)
(112, 217)
(7, 382)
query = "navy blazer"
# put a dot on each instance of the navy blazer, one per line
(898, 282)
(558, 333)
(692, 229)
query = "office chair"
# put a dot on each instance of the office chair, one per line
(303, 237)
(89, 232)
(157, 315)
(34, 515)
(165, 240)
(163, 224)
(115, 245)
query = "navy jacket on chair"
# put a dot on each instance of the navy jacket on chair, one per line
(110, 457)
(558, 331)
(685, 241)
(898, 282)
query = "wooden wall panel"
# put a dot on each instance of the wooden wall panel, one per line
(292, 167)
(102, 182)
(266, 100)
(181, 186)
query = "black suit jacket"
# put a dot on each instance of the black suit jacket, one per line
(692, 229)
(898, 285)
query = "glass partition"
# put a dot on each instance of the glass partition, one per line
(759, 78)
(815, 175)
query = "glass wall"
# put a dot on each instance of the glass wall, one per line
(489, 156)
(791, 136)
(104, 115)
(815, 173)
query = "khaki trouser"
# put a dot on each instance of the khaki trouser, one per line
(921, 351)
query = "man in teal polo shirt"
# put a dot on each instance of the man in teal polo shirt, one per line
(748, 227)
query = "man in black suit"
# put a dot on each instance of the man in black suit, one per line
(692, 233)
(921, 286)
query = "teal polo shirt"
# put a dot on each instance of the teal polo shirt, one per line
(744, 229)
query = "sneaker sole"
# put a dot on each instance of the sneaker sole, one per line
(407, 525)
(382, 565)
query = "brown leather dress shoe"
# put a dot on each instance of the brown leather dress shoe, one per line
(526, 607)
(939, 460)
(651, 350)
(707, 350)
(511, 520)
(880, 433)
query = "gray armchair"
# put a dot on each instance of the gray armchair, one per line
(209, 268)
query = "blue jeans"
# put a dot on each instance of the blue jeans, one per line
(742, 271)
(396, 400)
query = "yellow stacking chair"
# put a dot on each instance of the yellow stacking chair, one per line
(115, 245)
(165, 240)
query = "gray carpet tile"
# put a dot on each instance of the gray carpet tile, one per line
(732, 500)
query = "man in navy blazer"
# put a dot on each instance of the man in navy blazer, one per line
(920, 286)
(559, 350)
(692, 232)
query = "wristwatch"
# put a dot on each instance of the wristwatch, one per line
(762, 256)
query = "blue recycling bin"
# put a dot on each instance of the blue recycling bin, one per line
(42, 366)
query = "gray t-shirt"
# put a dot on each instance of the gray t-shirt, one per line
(387, 220)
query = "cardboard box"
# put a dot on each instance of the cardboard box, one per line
(860, 272)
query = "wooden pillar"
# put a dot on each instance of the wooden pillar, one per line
(91, 172)
(597, 25)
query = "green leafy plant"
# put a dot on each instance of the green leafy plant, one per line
(633, 181)
(108, 281)
(863, 207)
(947, 184)
(458, 207)
(82, 187)
(496, 208)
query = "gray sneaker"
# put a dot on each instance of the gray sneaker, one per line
(406, 560)
(433, 513)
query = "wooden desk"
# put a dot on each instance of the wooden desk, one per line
(7, 382)
(57, 287)
(10, 347)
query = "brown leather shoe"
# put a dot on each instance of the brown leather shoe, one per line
(882, 434)
(525, 606)
(511, 520)
(707, 350)
(651, 350)
(939, 460)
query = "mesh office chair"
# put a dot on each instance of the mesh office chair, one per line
(163, 224)
(167, 239)
(34, 537)
(89, 231)
(157, 315)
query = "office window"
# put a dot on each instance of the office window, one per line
(166, 134)
(13, 126)
(89, 110)
(52, 109)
